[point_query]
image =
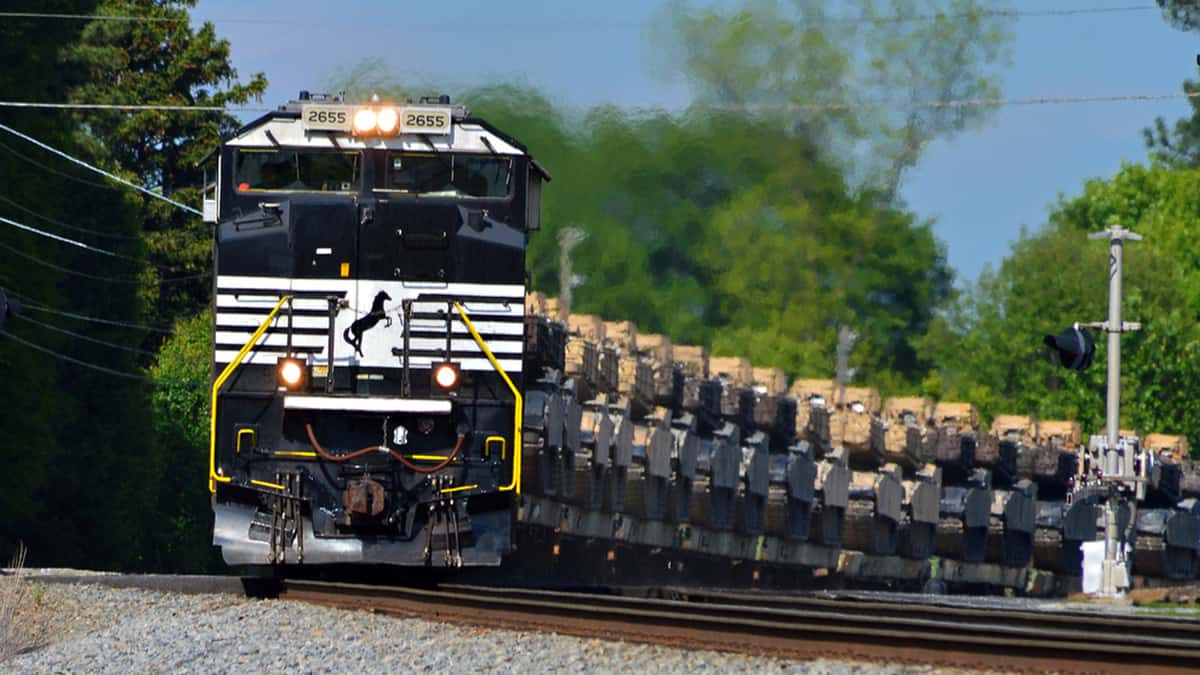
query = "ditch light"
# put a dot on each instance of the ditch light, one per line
(446, 376)
(292, 373)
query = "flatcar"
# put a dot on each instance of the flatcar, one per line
(369, 334)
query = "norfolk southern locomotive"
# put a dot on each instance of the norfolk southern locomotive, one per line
(368, 346)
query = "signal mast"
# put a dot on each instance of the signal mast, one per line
(1114, 467)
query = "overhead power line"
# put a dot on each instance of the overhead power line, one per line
(953, 103)
(98, 170)
(96, 367)
(85, 338)
(92, 319)
(72, 242)
(31, 303)
(593, 26)
(827, 105)
(99, 277)
(59, 223)
(56, 172)
(131, 107)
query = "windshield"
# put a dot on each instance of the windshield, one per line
(445, 175)
(296, 170)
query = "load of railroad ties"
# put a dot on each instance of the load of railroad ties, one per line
(630, 438)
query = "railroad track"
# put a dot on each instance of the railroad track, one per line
(798, 626)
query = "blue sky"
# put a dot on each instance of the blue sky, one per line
(980, 187)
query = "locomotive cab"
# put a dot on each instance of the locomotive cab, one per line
(369, 335)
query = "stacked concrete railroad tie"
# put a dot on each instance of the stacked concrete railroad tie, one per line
(1053, 460)
(1167, 539)
(592, 462)
(952, 440)
(616, 486)
(875, 511)
(543, 461)
(649, 478)
(792, 495)
(718, 477)
(1167, 525)
(899, 432)
(1015, 436)
(685, 453)
(965, 515)
(1012, 524)
(814, 399)
(754, 486)
(922, 512)
(635, 369)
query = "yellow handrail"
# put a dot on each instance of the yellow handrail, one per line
(515, 485)
(213, 478)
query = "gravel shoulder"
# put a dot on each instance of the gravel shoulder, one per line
(96, 629)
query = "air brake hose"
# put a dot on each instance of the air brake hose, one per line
(375, 448)
(430, 469)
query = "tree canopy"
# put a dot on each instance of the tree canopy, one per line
(990, 346)
(722, 228)
(91, 479)
(857, 84)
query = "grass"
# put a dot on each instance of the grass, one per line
(24, 616)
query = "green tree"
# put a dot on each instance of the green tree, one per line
(163, 62)
(1179, 144)
(75, 440)
(802, 57)
(990, 344)
(182, 538)
(1183, 14)
(89, 483)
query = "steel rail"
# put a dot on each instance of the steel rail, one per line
(1190, 627)
(731, 621)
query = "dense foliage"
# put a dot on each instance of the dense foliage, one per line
(990, 347)
(830, 67)
(92, 479)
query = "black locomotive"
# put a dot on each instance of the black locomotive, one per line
(368, 343)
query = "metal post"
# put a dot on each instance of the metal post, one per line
(568, 239)
(405, 380)
(333, 311)
(1113, 463)
(1113, 408)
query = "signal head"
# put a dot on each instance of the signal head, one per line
(1075, 346)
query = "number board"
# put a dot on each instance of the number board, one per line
(417, 120)
(326, 117)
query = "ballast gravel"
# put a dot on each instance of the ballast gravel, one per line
(96, 629)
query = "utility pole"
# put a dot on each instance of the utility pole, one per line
(568, 239)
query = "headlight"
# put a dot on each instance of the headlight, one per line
(388, 121)
(291, 373)
(445, 376)
(365, 120)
